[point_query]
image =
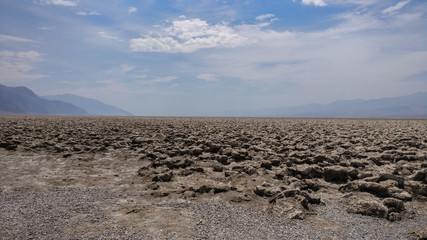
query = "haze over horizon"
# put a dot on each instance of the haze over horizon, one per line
(203, 57)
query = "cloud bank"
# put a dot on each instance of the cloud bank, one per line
(319, 3)
(8, 38)
(18, 66)
(395, 8)
(64, 3)
(188, 36)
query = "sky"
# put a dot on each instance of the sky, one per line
(196, 58)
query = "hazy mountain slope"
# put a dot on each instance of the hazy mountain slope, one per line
(92, 106)
(409, 106)
(21, 100)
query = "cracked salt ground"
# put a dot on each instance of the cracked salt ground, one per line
(222, 177)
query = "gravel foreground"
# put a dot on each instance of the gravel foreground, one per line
(77, 214)
(212, 178)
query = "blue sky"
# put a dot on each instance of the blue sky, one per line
(204, 57)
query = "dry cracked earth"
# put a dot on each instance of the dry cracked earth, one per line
(212, 178)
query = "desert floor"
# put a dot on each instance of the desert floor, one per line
(212, 178)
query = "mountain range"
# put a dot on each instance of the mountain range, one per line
(21, 100)
(408, 106)
(92, 106)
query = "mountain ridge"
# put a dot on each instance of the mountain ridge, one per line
(22, 100)
(90, 105)
(407, 106)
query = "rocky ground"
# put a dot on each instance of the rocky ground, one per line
(212, 178)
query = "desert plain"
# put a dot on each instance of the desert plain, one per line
(212, 178)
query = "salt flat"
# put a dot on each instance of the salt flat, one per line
(212, 178)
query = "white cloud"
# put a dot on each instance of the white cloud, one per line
(393, 9)
(360, 3)
(140, 76)
(20, 56)
(354, 2)
(8, 38)
(189, 36)
(83, 13)
(356, 62)
(132, 9)
(18, 66)
(207, 77)
(126, 68)
(108, 36)
(159, 80)
(264, 16)
(120, 70)
(319, 3)
(64, 3)
(46, 28)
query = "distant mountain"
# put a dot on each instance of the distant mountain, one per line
(21, 100)
(409, 106)
(92, 106)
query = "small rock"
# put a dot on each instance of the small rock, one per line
(416, 188)
(58, 149)
(280, 176)
(353, 173)
(297, 214)
(335, 174)
(388, 176)
(196, 151)
(263, 191)
(369, 208)
(394, 205)
(177, 163)
(163, 178)
(223, 159)
(311, 198)
(400, 194)
(138, 140)
(322, 158)
(359, 163)
(239, 155)
(394, 216)
(291, 192)
(266, 165)
(240, 198)
(308, 184)
(306, 171)
(420, 176)
(214, 148)
(143, 171)
(374, 188)
(8, 145)
(215, 189)
(364, 175)
(159, 194)
(217, 168)
(197, 169)
(304, 202)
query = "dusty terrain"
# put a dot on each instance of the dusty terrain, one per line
(212, 178)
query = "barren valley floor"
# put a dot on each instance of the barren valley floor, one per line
(212, 178)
